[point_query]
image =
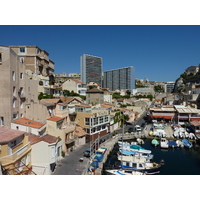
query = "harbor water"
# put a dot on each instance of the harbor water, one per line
(177, 161)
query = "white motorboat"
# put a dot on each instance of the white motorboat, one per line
(132, 163)
(141, 153)
(123, 172)
(164, 143)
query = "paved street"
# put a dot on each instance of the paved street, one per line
(70, 164)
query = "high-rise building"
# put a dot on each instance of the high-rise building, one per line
(122, 78)
(169, 87)
(91, 69)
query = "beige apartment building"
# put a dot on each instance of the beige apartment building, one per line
(95, 122)
(38, 66)
(22, 69)
(18, 91)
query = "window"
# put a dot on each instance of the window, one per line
(22, 60)
(1, 121)
(14, 102)
(87, 121)
(13, 143)
(13, 76)
(22, 49)
(14, 116)
(14, 91)
(0, 58)
(52, 152)
(95, 121)
(21, 75)
(21, 104)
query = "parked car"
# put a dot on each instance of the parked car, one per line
(137, 128)
(87, 153)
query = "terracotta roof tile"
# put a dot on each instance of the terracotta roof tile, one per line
(55, 118)
(7, 134)
(33, 139)
(49, 100)
(76, 80)
(84, 105)
(28, 122)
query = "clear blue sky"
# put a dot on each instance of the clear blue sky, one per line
(158, 52)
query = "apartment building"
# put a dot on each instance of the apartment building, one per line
(18, 91)
(38, 66)
(75, 85)
(95, 122)
(169, 87)
(122, 79)
(15, 152)
(91, 69)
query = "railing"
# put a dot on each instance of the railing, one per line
(22, 95)
(11, 158)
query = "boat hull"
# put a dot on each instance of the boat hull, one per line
(150, 171)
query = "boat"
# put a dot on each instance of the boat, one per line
(187, 143)
(123, 172)
(133, 163)
(140, 141)
(141, 153)
(192, 136)
(164, 143)
(179, 143)
(133, 147)
(155, 142)
(172, 143)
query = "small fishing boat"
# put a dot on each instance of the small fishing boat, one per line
(172, 143)
(123, 172)
(164, 143)
(187, 143)
(155, 142)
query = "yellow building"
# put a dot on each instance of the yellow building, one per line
(15, 152)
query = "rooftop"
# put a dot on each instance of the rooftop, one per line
(28, 123)
(33, 139)
(55, 118)
(7, 135)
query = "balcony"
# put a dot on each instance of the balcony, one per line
(16, 155)
(22, 95)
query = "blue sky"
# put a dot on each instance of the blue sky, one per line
(158, 52)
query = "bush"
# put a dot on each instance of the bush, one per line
(63, 154)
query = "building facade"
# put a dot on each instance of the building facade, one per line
(91, 69)
(15, 152)
(169, 87)
(75, 85)
(18, 92)
(122, 79)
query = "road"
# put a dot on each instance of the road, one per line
(70, 164)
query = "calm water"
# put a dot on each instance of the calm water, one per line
(178, 161)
